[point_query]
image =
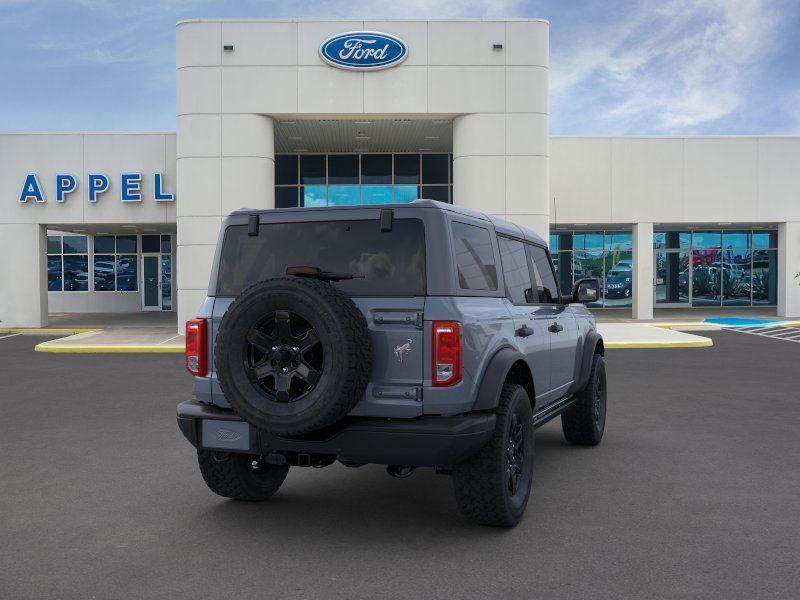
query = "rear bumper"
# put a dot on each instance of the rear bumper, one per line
(428, 441)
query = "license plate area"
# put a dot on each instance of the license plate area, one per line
(225, 435)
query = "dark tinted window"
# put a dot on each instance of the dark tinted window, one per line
(150, 243)
(391, 263)
(54, 244)
(543, 274)
(474, 257)
(435, 192)
(104, 244)
(312, 168)
(406, 168)
(515, 271)
(286, 169)
(343, 168)
(434, 168)
(376, 168)
(75, 244)
(126, 244)
(285, 197)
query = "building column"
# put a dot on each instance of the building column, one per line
(642, 276)
(23, 271)
(788, 268)
(500, 167)
(225, 162)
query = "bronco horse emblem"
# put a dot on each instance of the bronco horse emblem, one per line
(402, 350)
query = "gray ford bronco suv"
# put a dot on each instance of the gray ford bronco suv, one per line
(413, 335)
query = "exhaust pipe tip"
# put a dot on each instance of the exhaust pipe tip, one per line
(400, 471)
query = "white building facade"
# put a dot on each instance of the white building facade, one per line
(268, 116)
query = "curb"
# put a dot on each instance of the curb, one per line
(44, 347)
(45, 331)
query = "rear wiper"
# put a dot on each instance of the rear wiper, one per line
(317, 273)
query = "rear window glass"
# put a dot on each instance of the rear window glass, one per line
(474, 257)
(387, 263)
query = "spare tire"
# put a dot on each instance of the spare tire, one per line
(293, 355)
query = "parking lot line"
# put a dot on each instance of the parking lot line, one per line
(2, 337)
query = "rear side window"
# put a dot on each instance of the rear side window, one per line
(515, 271)
(474, 257)
(388, 263)
(543, 274)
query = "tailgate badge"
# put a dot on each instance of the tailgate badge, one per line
(402, 350)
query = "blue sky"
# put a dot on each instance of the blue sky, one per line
(617, 68)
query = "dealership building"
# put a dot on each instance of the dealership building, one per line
(275, 114)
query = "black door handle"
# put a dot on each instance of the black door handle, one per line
(523, 331)
(555, 328)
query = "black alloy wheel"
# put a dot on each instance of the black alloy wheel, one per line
(283, 356)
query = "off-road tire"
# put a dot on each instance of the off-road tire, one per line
(346, 344)
(583, 423)
(232, 475)
(481, 482)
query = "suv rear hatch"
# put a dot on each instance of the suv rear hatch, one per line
(387, 262)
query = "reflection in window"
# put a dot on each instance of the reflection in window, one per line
(515, 271)
(765, 277)
(408, 176)
(672, 278)
(55, 279)
(104, 273)
(545, 282)
(474, 257)
(126, 273)
(76, 273)
(67, 263)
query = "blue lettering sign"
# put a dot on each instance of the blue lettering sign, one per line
(31, 189)
(98, 184)
(363, 50)
(65, 184)
(158, 195)
(131, 188)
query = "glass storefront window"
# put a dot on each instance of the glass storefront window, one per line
(54, 244)
(126, 244)
(376, 194)
(312, 168)
(343, 195)
(765, 239)
(736, 239)
(285, 197)
(706, 277)
(434, 168)
(553, 243)
(104, 244)
(618, 282)
(54, 273)
(376, 168)
(588, 241)
(405, 193)
(126, 274)
(76, 273)
(343, 168)
(588, 264)
(75, 244)
(320, 175)
(618, 241)
(705, 240)
(104, 272)
(672, 278)
(736, 277)
(765, 277)
(286, 169)
(313, 195)
(435, 192)
(406, 168)
(672, 239)
(151, 243)
(166, 244)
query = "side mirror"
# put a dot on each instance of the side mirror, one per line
(586, 290)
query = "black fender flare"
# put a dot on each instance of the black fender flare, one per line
(591, 346)
(494, 376)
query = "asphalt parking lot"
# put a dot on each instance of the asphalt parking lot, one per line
(694, 493)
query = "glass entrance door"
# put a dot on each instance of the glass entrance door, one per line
(151, 276)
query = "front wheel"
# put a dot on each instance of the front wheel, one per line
(492, 487)
(584, 422)
(240, 476)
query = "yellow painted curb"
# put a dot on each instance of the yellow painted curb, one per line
(704, 343)
(46, 331)
(45, 347)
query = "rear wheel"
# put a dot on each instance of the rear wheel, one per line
(584, 422)
(492, 487)
(240, 476)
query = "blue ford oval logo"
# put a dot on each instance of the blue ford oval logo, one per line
(363, 50)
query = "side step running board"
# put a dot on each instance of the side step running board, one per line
(552, 410)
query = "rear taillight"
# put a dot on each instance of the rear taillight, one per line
(196, 359)
(446, 353)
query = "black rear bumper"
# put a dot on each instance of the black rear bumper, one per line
(429, 441)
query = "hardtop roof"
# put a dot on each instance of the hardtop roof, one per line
(500, 225)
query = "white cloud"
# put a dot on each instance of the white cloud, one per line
(670, 68)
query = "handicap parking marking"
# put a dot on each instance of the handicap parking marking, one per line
(776, 332)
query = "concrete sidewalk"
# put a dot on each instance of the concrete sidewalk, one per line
(641, 335)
